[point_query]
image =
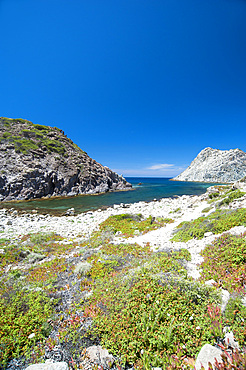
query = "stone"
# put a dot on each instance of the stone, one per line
(210, 282)
(208, 233)
(230, 340)
(32, 335)
(225, 296)
(34, 257)
(100, 355)
(70, 212)
(208, 354)
(214, 165)
(82, 268)
(49, 365)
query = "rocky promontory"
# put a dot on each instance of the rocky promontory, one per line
(214, 165)
(38, 161)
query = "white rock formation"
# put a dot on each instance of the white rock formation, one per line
(213, 165)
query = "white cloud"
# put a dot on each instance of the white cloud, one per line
(160, 166)
(157, 170)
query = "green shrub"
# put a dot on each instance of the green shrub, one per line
(225, 262)
(128, 224)
(46, 129)
(231, 195)
(235, 314)
(146, 315)
(25, 145)
(21, 314)
(217, 222)
(213, 195)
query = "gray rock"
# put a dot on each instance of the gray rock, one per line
(213, 165)
(230, 340)
(49, 365)
(208, 233)
(82, 268)
(70, 212)
(225, 296)
(34, 257)
(99, 355)
(208, 354)
(210, 282)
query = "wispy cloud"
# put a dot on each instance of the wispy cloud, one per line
(155, 170)
(160, 166)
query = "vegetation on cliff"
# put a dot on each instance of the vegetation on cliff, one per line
(38, 161)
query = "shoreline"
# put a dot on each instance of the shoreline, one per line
(58, 205)
(14, 224)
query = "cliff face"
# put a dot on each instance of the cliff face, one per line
(38, 161)
(213, 165)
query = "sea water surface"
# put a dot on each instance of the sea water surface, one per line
(144, 189)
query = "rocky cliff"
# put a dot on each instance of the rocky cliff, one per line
(38, 161)
(213, 165)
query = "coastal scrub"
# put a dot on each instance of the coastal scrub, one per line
(217, 222)
(128, 225)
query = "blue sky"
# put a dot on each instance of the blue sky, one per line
(141, 85)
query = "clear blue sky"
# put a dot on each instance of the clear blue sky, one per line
(141, 85)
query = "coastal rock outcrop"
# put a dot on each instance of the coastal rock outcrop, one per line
(214, 165)
(38, 161)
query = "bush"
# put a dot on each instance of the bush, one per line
(217, 222)
(21, 313)
(127, 224)
(225, 261)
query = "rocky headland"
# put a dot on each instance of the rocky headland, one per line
(213, 165)
(38, 161)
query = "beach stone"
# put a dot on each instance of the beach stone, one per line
(9, 222)
(208, 233)
(210, 282)
(82, 268)
(99, 355)
(225, 296)
(34, 257)
(208, 354)
(230, 340)
(70, 212)
(49, 365)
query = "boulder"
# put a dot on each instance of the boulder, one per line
(99, 355)
(208, 354)
(49, 365)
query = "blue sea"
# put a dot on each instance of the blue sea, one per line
(144, 189)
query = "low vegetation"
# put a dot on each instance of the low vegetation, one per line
(31, 138)
(223, 196)
(217, 222)
(139, 304)
(128, 225)
(225, 262)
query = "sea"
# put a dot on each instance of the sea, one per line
(143, 189)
